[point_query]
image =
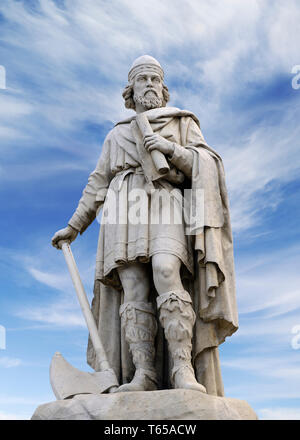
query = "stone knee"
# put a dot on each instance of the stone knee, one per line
(135, 282)
(166, 272)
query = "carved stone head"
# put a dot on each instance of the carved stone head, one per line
(145, 84)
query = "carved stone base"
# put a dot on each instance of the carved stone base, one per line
(147, 405)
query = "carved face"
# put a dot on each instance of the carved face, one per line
(148, 89)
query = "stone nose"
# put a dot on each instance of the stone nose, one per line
(149, 82)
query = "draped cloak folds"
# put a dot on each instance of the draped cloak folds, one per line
(212, 285)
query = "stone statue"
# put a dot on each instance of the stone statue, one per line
(164, 298)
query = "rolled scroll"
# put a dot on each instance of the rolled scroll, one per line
(158, 157)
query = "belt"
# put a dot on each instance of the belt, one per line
(124, 173)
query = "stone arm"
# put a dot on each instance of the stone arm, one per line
(94, 193)
(182, 157)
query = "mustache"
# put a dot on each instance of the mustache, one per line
(150, 90)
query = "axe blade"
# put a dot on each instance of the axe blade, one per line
(67, 381)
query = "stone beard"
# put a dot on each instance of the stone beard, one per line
(149, 99)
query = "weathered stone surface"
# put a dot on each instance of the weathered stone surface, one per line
(151, 405)
(147, 159)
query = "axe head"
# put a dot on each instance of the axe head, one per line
(67, 381)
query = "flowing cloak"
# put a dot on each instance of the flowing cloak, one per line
(212, 286)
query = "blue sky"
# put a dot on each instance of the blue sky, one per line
(66, 65)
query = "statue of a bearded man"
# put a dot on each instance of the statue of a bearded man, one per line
(164, 299)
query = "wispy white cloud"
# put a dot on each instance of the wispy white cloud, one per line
(14, 416)
(261, 355)
(6, 399)
(20, 407)
(10, 133)
(59, 281)
(279, 413)
(256, 391)
(79, 59)
(268, 300)
(286, 368)
(11, 107)
(267, 379)
(256, 168)
(9, 362)
(267, 283)
(56, 314)
(103, 38)
(48, 268)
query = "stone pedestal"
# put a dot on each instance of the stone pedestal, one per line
(176, 404)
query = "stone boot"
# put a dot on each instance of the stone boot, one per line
(139, 323)
(178, 318)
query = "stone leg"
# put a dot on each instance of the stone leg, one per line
(140, 326)
(177, 317)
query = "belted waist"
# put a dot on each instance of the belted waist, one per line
(174, 176)
(135, 170)
(125, 172)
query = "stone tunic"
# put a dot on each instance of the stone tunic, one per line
(139, 238)
(116, 185)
